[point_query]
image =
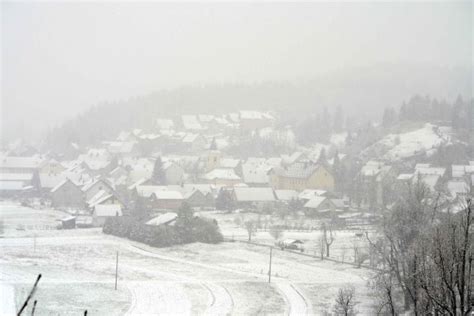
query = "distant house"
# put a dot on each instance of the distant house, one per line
(194, 142)
(13, 164)
(103, 211)
(252, 120)
(300, 176)
(92, 188)
(256, 197)
(222, 177)
(458, 188)
(375, 177)
(67, 195)
(164, 124)
(168, 218)
(173, 172)
(104, 198)
(191, 123)
(164, 199)
(319, 206)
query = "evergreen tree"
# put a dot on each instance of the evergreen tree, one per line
(213, 144)
(158, 176)
(338, 120)
(322, 157)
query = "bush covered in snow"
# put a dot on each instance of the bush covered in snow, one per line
(184, 231)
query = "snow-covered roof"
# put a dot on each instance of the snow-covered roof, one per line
(428, 169)
(163, 219)
(255, 174)
(456, 187)
(191, 122)
(61, 184)
(107, 210)
(49, 181)
(316, 202)
(16, 176)
(190, 138)
(168, 195)
(255, 115)
(300, 170)
(308, 194)
(164, 124)
(11, 185)
(405, 176)
(459, 171)
(229, 163)
(98, 198)
(254, 194)
(286, 195)
(225, 174)
(11, 162)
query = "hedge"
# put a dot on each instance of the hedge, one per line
(184, 231)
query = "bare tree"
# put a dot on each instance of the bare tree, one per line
(250, 227)
(345, 301)
(328, 237)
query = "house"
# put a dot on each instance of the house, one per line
(219, 176)
(103, 197)
(173, 172)
(49, 180)
(300, 176)
(458, 188)
(253, 197)
(194, 142)
(166, 199)
(255, 175)
(253, 120)
(103, 211)
(375, 178)
(15, 164)
(11, 188)
(67, 195)
(90, 189)
(164, 124)
(168, 218)
(319, 206)
(191, 123)
(123, 149)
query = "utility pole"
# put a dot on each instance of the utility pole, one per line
(116, 270)
(270, 266)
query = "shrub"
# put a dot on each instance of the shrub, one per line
(185, 230)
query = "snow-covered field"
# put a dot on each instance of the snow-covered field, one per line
(78, 269)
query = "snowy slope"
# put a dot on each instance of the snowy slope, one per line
(423, 140)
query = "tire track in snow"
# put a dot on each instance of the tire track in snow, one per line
(222, 302)
(297, 302)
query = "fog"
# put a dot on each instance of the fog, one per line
(298, 159)
(60, 58)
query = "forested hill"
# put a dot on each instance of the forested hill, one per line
(362, 91)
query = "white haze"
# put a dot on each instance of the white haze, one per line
(58, 59)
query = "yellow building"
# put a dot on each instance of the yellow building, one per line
(300, 176)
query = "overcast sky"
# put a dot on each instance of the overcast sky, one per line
(60, 58)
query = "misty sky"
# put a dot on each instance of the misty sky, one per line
(60, 58)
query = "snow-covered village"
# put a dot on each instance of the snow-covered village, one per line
(159, 205)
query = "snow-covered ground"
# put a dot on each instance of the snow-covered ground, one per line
(78, 268)
(424, 140)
